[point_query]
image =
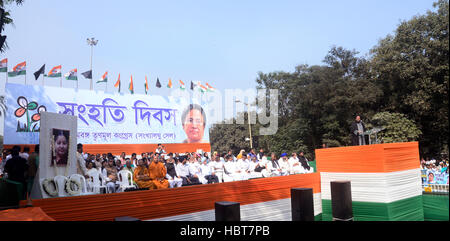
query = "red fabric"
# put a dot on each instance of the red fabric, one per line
(159, 203)
(24, 214)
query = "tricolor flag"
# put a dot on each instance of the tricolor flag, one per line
(146, 85)
(117, 84)
(203, 88)
(71, 75)
(130, 87)
(182, 86)
(19, 69)
(169, 85)
(104, 78)
(55, 72)
(4, 65)
(210, 88)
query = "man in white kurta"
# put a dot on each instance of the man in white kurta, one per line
(284, 165)
(252, 166)
(217, 168)
(294, 164)
(243, 166)
(230, 170)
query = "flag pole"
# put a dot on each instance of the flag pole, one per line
(25, 77)
(60, 79)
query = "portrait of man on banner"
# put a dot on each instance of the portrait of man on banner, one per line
(193, 120)
(60, 147)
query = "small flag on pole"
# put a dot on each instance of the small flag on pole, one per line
(19, 69)
(104, 78)
(130, 87)
(55, 72)
(169, 85)
(182, 86)
(158, 84)
(210, 88)
(87, 74)
(203, 88)
(39, 72)
(71, 75)
(4, 65)
(117, 84)
(146, 85)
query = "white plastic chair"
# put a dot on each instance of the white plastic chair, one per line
(97, 181)
(61, 183)
(124, 181)
(82, 180)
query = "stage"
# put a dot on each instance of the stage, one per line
(163, 203)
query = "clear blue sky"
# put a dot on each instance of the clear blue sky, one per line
(225, 43)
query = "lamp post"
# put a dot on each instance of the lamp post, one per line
(92, 42)
(249, 126)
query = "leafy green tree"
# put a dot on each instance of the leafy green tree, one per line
(412, 68)
(397, 127)
(7, 18)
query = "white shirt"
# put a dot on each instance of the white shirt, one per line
(194, 168)
(205, 170)
(243, 165)
(230, 166)
(218, 166)
(182, 170)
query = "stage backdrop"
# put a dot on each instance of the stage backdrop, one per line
(103, 118)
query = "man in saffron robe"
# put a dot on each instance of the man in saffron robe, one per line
(142, 176)
(158, 173)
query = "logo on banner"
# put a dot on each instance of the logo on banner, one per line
(25, 110)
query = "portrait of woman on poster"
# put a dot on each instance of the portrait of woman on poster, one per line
(60, 147)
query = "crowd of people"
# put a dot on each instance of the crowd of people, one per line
(434, 171)
(159, 169)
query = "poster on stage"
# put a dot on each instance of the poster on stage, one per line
(105, 118)
(59, 147)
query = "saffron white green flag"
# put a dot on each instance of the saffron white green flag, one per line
(71, 75)
(4, 65)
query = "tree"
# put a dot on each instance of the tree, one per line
(397, 127)
(6, 18)
(412, 68)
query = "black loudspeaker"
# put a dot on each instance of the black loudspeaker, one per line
(341, 201)
(302, 204)
(228, 211)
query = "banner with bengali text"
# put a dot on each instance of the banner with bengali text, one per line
(103, 118)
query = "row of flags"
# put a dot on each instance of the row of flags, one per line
(20, 69)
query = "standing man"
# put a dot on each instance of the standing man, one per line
(17, 169)
(81, 163)
(357, 130)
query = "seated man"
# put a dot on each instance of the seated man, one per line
(195, 172)
(273, 167)
(183, 172)
(207, 173)
(243, 166)
(294, 164)
(217, 167)
(284, 165)
(141, 175)
(158, 173)
(230, 171)
(172, 175)
(111, 175)
(255, 168)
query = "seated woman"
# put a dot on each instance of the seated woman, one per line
(158, 173)
(142, 176)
